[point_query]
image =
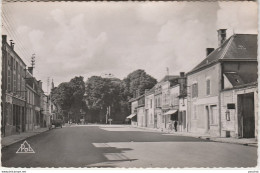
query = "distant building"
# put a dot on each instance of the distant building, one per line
(133, 116)
(164, 109)
(34, 118)
(235, 59)
(52, 108)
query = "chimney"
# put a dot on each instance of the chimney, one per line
(221, 36)
(12, 44)
(30, 69)
(182, 74)
(4, 38)
(209, 50)
(182, 81)
(40, 84)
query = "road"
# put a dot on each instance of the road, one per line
(122, 146)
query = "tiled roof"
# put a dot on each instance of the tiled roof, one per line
(237, 47)
(234, 78)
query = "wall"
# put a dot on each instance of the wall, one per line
(149, 108)
(13, 90)
(140, 117)
(183, 112)
(230, 96)
(199, 119)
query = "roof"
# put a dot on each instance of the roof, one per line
(252, 84)
(151, 91)
(234, 78)
(169, 78)
(237, 47)
(135, 99)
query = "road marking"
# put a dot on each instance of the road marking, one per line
(101, 145)
(115, 156)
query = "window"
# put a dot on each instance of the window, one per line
(14, 82)
(208, 87)
(151, 103)
(8, 79)
(194, 90)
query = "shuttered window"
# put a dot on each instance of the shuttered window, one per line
(208, 87)
(194, 90)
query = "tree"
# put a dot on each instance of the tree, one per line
(68, 96)
(102, 93)
(138, 80)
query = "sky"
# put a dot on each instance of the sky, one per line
(95, 38)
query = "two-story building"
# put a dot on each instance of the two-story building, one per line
(149, 107)
(141, 116)
(133, 116)
(206, 81)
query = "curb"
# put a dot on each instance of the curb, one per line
(202, 137)
(34, 134)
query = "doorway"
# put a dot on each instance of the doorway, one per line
(207, 119)
(246, 115)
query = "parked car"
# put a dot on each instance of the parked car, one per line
(57, 123)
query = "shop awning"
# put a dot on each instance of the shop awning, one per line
(170, 112)
(131, 116)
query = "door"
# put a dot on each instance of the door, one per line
(146, 118)
(184, 119)
(246, 115)
(155, 120)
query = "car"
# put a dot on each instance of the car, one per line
(57, 123)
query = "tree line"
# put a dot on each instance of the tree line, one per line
(91, 99)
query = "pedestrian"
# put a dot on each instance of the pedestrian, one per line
(175, 125)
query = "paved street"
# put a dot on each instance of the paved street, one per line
(123, 146)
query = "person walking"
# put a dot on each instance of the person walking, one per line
(175, 125)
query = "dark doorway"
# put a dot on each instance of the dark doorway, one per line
(155, 120)
(23, 120)
(207, 119)
(246, 115)
(184, 119)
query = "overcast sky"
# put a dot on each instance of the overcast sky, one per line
(93, 38)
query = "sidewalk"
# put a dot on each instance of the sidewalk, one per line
(8, 140)
(241, 141)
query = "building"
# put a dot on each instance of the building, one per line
(239, 111)
(237, 56)
(149, 107)
(45, 113)
(183, 123)
(52, 107)
(164, 106)
(141, 117)
(34, 119)
(133, 116)
(13, 90)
